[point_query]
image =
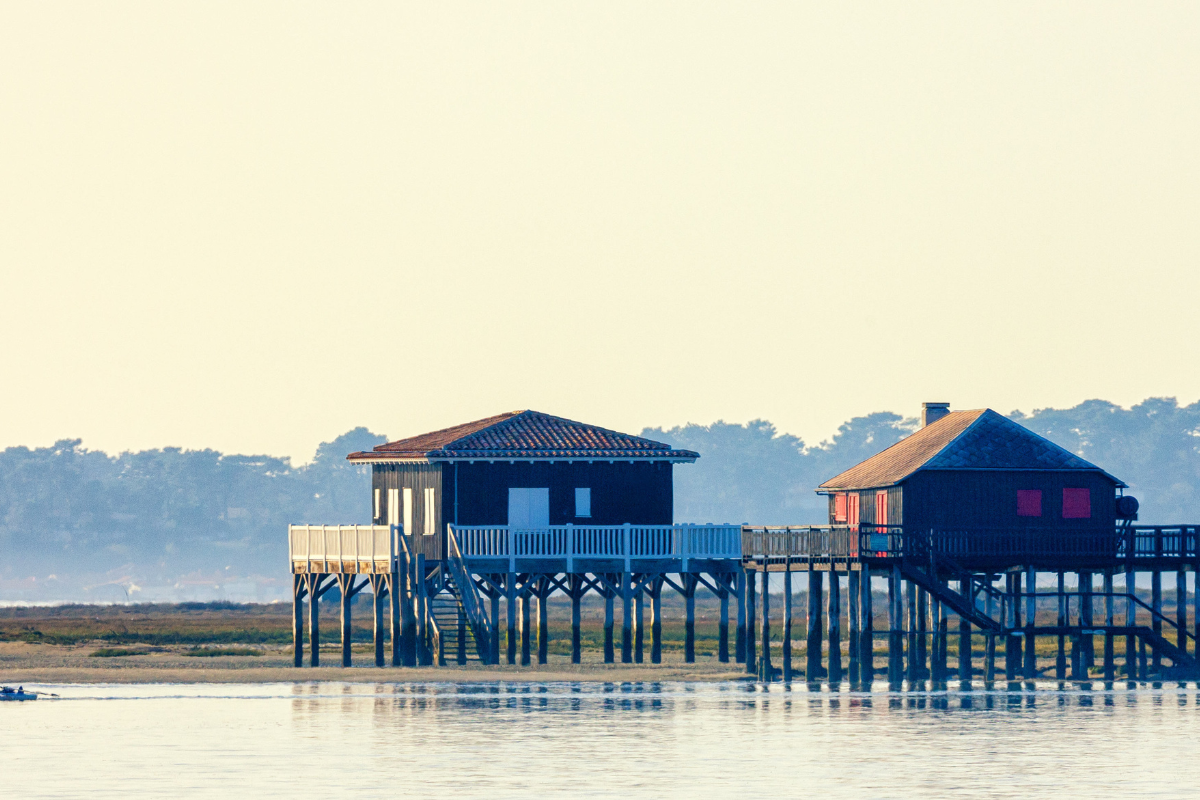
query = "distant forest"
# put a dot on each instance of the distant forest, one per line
(73, 519)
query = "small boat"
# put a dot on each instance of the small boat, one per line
(9, 693)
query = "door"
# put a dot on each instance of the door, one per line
(529, 508)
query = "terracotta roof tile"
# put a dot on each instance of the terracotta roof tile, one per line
(524, 434)
(979, 439)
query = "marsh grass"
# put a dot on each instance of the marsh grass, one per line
(210, 652)
(117, 652)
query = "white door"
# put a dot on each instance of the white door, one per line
(529, 508)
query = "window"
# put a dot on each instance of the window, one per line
(583, 502)
(376, 517)
(852, 509)
(1029, 502)
(839, 507)
(393, 507)
(430, 511)
(1077, 504)
(881, 515)
(408, 511)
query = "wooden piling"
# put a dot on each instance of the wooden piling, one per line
(895, 634)
(525, 622)
(937, 655)
(494, 644)
(346, 585)
(1130, 621)
(765, 665)
(394, 618)
(656, 623)
(835, 631)
(689, 583)
(739, 646)
(854, 634)
(510, 592)
(723, 625)
(609, 649)
(639, 625)
(575, 584)
(812, 669)
(379, 595)
(964, 640)
(989, 660)
(866, 650)
(1060, 661)
(460, 650)
(421, 592)
(626, 619)
(543, 619)
(1156, 603)
(1030, 637)
(298, 593)
(314, 619)
(751, 610)
(1010, 606)
(1087, 619)
(922, 634)
(1110, 664)
(914, 652)
(787, 622)
(408, 610)
(1181, 638)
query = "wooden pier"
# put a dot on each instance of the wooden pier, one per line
(983, 602)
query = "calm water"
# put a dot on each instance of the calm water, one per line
(630, 740)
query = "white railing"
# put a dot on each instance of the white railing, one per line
(367, 545)
(621, 542)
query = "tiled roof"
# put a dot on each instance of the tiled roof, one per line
(979, 439)
(524, 434)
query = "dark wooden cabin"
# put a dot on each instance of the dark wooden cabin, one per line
(524, 469)
(976, 472)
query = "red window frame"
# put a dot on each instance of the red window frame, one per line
(852, 510)
(1077, 503)
(881, 511)
(1029, 502)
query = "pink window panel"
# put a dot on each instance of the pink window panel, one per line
(1077, 504)
(839, 507)
(881, 517)
(1029, 502)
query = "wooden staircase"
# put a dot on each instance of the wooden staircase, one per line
(458, 640)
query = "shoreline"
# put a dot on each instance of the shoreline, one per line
(22, 663)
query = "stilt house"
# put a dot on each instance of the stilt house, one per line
(523, 469)
(976, 472)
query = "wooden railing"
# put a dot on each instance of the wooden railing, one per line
(341, 548)
(620, 542)
(1123, 543)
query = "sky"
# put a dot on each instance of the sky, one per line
(253, 226)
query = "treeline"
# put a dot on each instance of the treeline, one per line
(66, 510)
(160, 514)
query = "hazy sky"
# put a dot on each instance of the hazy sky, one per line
(252, 226)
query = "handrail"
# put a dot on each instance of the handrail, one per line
(468, 596)
(437, 647)
(628, 542)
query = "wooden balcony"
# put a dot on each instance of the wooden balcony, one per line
(580, 547)
(342, 549)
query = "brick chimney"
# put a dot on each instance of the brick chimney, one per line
(932, 412)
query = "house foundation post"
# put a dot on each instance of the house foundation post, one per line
(815, 632)
(787, 621)
(835, 630)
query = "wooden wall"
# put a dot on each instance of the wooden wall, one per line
(640, 492)
(949, 499)
(417, 477)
